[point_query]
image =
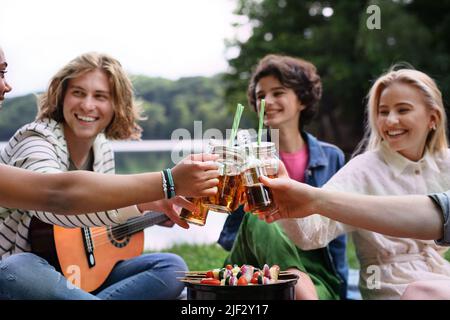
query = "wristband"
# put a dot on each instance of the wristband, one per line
(170, 183)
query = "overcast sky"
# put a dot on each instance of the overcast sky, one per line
(166, 38)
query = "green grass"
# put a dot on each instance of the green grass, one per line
(210, 256)
(200, 257)
(352, 260)
(447, 255)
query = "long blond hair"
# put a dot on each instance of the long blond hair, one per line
(126, 111)
(437, 139)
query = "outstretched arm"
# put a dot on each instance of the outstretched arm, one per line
(412, 216)
(76, 191)
(82, 191)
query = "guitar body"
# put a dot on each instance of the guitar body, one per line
(65, 249)
(73, 260)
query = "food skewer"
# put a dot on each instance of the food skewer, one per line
(189, 281)
(197, 281)
(204, 272)
(232, 276)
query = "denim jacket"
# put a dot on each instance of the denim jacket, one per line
(324, 160)
(442, 201)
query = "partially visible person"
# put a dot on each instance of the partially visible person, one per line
(4, 86)
(407, 153)
(292, 90)
(87, 100)
(427, 290)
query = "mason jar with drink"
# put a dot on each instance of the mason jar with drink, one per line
(240, 168)
(230, 165)
(196, 217)
(261, 159)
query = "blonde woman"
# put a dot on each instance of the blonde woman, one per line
(406, 153)
(427, 218)
(88, 100)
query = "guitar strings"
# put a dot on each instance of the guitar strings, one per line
(100, 237)
(106, 229)
(132, 222)
(121, 230)
(125, 226)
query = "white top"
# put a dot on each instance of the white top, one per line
(40, 146)
(395, 262)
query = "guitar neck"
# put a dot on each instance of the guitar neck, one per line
(149, 219)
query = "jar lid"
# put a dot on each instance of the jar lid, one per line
(253, 162)
(264, 147)
(229, 152)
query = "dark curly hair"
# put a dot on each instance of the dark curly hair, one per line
(294, 73)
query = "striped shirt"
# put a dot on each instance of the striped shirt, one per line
(40, 146)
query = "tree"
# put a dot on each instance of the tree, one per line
(167, 105)
(334, 36)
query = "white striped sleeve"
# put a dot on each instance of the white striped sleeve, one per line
(35, 153)
(124, 214)
(96, 219)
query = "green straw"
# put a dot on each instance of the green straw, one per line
(261, 120)
(237, 119)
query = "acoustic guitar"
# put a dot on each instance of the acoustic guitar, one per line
(86, 256)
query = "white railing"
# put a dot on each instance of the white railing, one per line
(152, 145)
(157, 145)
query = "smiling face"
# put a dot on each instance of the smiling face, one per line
(282, 107)
(88, 107)
(4, 86)
(403, 119)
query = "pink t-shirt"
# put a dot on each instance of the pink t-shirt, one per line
(296, 163)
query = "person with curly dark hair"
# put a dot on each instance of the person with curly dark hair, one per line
(292, 89)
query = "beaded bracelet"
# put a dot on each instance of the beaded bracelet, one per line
(170, 183)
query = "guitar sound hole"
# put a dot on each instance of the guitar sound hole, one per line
(119, 236)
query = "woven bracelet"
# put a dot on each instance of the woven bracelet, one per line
(170, 183)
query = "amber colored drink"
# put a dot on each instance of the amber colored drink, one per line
(227, 195)
(259, 197)
(198, 218)
(239, 198)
